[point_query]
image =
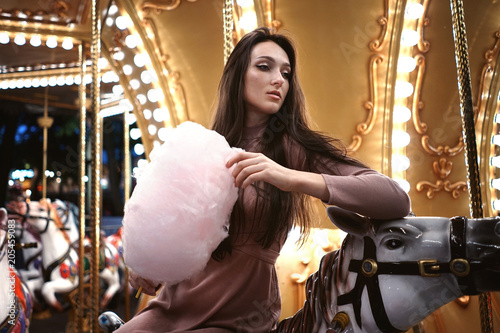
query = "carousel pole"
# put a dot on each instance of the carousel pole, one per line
(95, 195)
(468, 127)
(83, 132)
(45, 122)
(227, 15)
(127, 187)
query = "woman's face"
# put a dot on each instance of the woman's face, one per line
(266, 82)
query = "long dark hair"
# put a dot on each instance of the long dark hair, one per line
(281, 209)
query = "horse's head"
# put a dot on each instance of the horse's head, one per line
(37, 214)
(407, 268)
(3, 232)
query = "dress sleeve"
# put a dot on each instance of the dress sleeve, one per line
(355, 188)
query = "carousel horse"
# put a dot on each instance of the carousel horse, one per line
(59, 258)
(15, 299)
(390, 275)
(29, 242)
(109, 262)
(68, 214)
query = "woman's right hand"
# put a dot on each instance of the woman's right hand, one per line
(148, 287)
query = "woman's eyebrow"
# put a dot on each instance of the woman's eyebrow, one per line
(286, 64)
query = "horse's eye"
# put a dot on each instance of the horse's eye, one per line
(393, 244)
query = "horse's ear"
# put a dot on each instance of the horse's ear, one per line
(348, 221)
(3, 214)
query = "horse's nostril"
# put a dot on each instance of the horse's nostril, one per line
(497, 229)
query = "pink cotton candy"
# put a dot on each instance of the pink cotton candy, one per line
(179, 210)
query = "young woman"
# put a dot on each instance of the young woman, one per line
(262, 110)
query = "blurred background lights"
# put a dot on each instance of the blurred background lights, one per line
(135, 133)
(138, 149)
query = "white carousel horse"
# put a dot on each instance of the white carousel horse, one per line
(390, 275)
(30, 243)
(68, 214)
(15, 300)
(59, 258)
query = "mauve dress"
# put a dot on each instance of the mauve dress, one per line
(241, 292)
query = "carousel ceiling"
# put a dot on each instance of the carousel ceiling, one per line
(381, 75)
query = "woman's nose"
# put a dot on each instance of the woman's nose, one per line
(278, 79)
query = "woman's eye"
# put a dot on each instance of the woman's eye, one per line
(393, 244)
(263, 67)
(285, 75)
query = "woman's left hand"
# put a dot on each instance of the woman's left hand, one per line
(253, 167)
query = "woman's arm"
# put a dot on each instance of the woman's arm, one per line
(362, 190)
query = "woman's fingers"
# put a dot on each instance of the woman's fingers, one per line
(252, 167)
(148, 287)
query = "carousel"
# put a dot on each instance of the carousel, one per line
(89, 88)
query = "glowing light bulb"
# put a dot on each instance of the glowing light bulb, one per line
(406, 64)
(403, 89)
(67, 44)
(414, 11)
(401, 114)
(409, 38)
(35, 41)
(51, 42)
(20, 39)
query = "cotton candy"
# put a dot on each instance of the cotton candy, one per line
(179, 210)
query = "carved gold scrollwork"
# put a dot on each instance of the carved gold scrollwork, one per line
(417, 104)
(455, 189)
(442, 150)
(423, 45)
(490, 55)
(50, 9)
(442, 168)
(160, 5)
(60, 7)
(378, 44)
(486, 76)
(372, 105)
(176, 89)
(355, 144)
(178, 94)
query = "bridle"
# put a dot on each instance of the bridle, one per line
(3, 244)
(369, 268)
(27, 216)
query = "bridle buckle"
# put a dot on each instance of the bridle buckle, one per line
(428, 268)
